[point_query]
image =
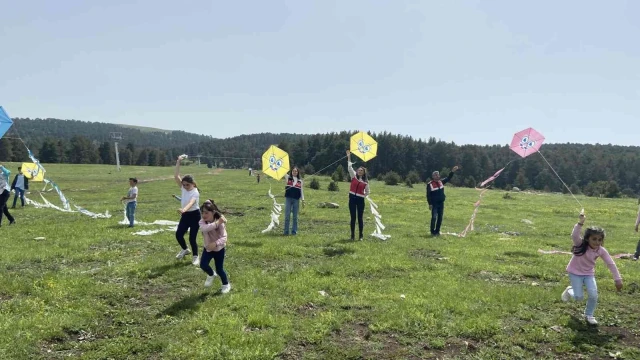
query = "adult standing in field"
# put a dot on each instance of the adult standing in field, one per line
(358, 190)
(293, 193)
(436, 198)
(189, 214)
(5, 194)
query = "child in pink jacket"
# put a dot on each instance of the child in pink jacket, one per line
(213, 227)
(581, 268)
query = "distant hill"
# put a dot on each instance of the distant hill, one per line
(34, 131)
(146, 128)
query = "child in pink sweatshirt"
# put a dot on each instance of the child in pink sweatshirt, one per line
(213, 227)
(581, 268)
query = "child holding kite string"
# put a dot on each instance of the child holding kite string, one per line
(189, 213)
(358, 191)
(581, 268)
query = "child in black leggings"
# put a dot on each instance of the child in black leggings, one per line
(190, 214)
(358, 190)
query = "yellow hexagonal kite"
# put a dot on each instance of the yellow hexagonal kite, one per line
(275, 162)
(363, 146)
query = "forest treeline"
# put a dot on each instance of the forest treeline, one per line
(595, 170)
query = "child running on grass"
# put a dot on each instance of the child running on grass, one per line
(189, 213)
(214, 231)
(581, 268)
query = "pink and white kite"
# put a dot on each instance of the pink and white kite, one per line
(526, 142)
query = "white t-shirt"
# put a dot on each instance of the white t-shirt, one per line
(132, 191)
(188, 195)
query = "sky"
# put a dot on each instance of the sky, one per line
(471, 72)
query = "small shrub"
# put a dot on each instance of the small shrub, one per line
(507, 196)
(308, 169)
(413, 177)
(408, 183)
(575, 189)
(392, 178)
(333, 186)
(628, 192)
(314, 184)
(380, 177)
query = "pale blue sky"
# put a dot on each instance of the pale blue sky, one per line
(453, 69)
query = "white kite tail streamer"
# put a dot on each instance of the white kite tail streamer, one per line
(275, 213)
(125, 221)
(379, 226)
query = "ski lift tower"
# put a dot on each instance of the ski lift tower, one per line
(116, 136)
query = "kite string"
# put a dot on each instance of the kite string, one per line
(565, 185)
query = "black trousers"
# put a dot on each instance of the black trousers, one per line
(4, 198)
(437, 211)
(356, 205)
(189, 221)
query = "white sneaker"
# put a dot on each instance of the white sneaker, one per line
(566, 294)
(591, 320)
(225, 288)
(209, 280)
(182, 253)
(196, 260)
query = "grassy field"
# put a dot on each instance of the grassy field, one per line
(93, 290)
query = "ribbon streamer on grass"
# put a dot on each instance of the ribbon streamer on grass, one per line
(379, 226)
(275, 213)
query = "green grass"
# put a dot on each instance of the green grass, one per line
(92, 290)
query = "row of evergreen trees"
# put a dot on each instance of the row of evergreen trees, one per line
(595, 170)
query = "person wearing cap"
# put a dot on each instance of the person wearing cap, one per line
(436, 197)
(131, 200)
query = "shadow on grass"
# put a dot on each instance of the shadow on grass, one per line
(161, 270)
(520, 254)
(588, 334)
(120, 226)
(189, 304)
(331, 252)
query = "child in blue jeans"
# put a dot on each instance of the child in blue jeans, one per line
(131, 200)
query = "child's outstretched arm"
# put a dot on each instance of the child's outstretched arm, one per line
(176, 174)
(577, 228)
(612, 268)
(352, 173)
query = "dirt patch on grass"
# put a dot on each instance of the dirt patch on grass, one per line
(215, 171)
(232, 212)
(426, 254)
(525, 279)
(65, 343)
(357, 341)
(622, 335)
